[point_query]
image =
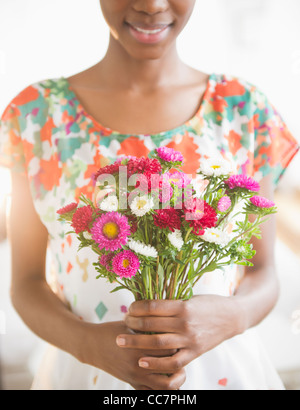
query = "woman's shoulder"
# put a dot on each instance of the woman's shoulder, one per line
(38, 96)
(227, 86)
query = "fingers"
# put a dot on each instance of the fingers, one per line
(154, 324)
(167, 382)
(163, 381)
(151, 342)
(165, 308)
(170, 364)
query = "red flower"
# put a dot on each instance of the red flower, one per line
(143, 165)
(68, 208)
(168, 218)
(200, 215)
(133, 223)
(108, 169)
(82, 219)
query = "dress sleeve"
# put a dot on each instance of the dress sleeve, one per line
(274, 146)
(11, 144)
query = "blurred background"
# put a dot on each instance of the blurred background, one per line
(258, 40)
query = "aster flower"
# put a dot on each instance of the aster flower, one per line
(224, 204)
(215, 167)
(169, 155)
(68, 208)
(143, 165)
(109, 204)
(200, 215)
(176, 239)
(242, 250)
(242, 181)
(217, 236)
(261, 202)
(82, 219)
(165, 192)
(180, 179)
(108, 169)
(111, 231)
(140, 206)
(167, 218)
(105, 260)
(125, 264)
(142, 248)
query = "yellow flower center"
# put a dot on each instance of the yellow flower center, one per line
(111, 230)
(216, 166)
(141, 203)
(125, 263)
(215, 234)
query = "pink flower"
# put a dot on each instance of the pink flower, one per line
(165, 192)
(125, 264)
(177, 178)
(242, 181)
(169, 154)
(224, 204)
(68, 208)
(262, 202)
(111, 231)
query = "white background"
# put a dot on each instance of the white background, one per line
(258, 40)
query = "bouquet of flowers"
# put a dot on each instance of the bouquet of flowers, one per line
(155, 234)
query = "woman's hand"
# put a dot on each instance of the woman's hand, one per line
(191, 327)
(101, 350)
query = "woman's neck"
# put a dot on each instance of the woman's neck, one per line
(120, 70)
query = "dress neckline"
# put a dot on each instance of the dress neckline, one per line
(81, 111)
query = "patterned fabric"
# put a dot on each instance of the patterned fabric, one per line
(46, 135)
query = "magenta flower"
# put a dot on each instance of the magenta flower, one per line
(125, 264)
(169, 154)
(262, 202)
(242, 181)
(165, 192)
(224, 204)
(177, 178)
(111, 231)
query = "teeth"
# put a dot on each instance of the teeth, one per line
(141, 30)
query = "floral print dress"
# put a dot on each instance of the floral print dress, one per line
(47, 135)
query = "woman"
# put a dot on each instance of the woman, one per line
(57, 133)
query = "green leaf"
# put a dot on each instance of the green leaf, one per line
(117, 289)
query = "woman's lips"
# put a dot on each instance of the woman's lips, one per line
(149, 34)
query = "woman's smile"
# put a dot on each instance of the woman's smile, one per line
(149, 34)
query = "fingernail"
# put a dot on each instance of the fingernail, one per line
(121, 341)
(142, 363)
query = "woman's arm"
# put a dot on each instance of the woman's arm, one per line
(200, 324)
(48, 317)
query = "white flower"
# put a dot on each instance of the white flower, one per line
(142, 248)
(215, 167)
(176, 239)
(87, 235)
(217, 236)
(140, 206)
(109, 204)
